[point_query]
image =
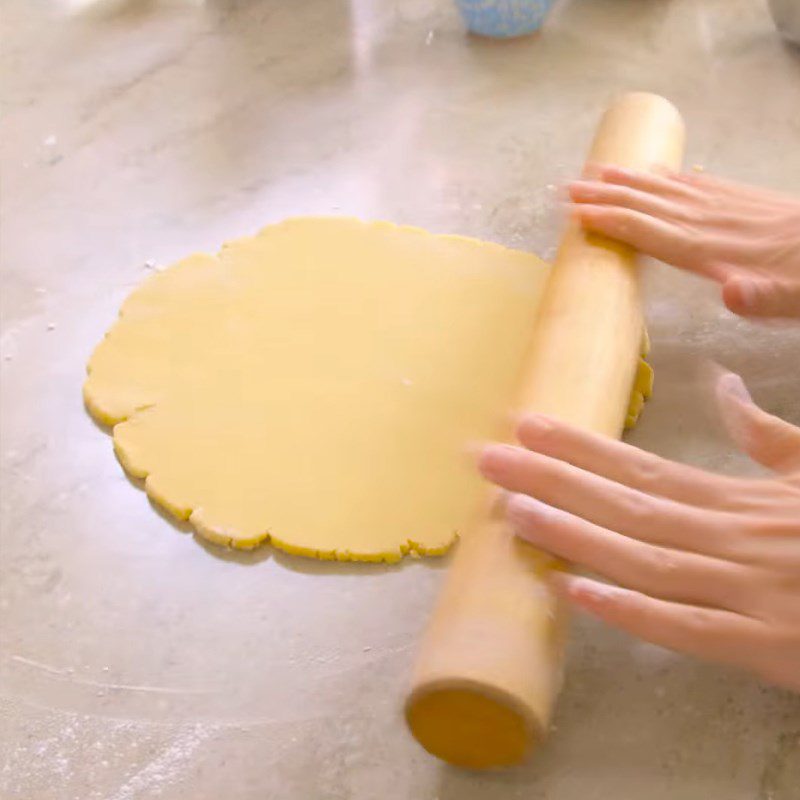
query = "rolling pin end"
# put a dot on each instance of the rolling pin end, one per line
(470, 725)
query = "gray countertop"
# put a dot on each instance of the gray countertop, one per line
(137, 663)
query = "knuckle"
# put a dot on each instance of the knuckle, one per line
(699, 215)
(698, 245)
(663, 566)
(696, 622)
(638, 509)
(590, 191)
(737, 543)
(616, 216)
(624, 224)
(622, 194)
(648, 470)
(559, 472)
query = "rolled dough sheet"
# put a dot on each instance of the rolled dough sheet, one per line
(315, 385)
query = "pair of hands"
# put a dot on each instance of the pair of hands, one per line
(700, 563)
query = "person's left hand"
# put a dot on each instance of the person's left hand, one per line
(705, 564)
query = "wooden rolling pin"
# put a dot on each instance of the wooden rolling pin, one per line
(491, 660)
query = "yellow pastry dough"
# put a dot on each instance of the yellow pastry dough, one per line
(642, 391)
(315, 385)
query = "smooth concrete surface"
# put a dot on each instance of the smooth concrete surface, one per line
(137, 663)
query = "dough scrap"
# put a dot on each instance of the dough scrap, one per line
(642, 389)
(315, 385)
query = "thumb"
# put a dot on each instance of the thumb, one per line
(765, 438)
(762, 297)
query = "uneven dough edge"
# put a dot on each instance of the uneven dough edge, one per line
(642, 389)
(109, 419)
(218, 537)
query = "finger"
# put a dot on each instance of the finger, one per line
(656, 571)
(663, 240)
(656, 237)
(688, 211)
(750, 196)
(751, 297)
(601, 193)
(611, 505)
(661, 184)
(765, 438)
(708, 633)
(621, 463)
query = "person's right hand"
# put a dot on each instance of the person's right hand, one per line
(745, 238)
(702, 563)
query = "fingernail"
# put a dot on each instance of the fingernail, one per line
(734, 386)
(584, 589)
(597, 172)
(748, 291)
(474, 450)
(535, 425)
(522, 508)
(495, 459)
(583, 191)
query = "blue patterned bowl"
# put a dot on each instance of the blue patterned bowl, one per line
(503, 18)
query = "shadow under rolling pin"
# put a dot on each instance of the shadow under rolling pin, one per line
(490, 664)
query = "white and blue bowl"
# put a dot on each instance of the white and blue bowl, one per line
(503, 19)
